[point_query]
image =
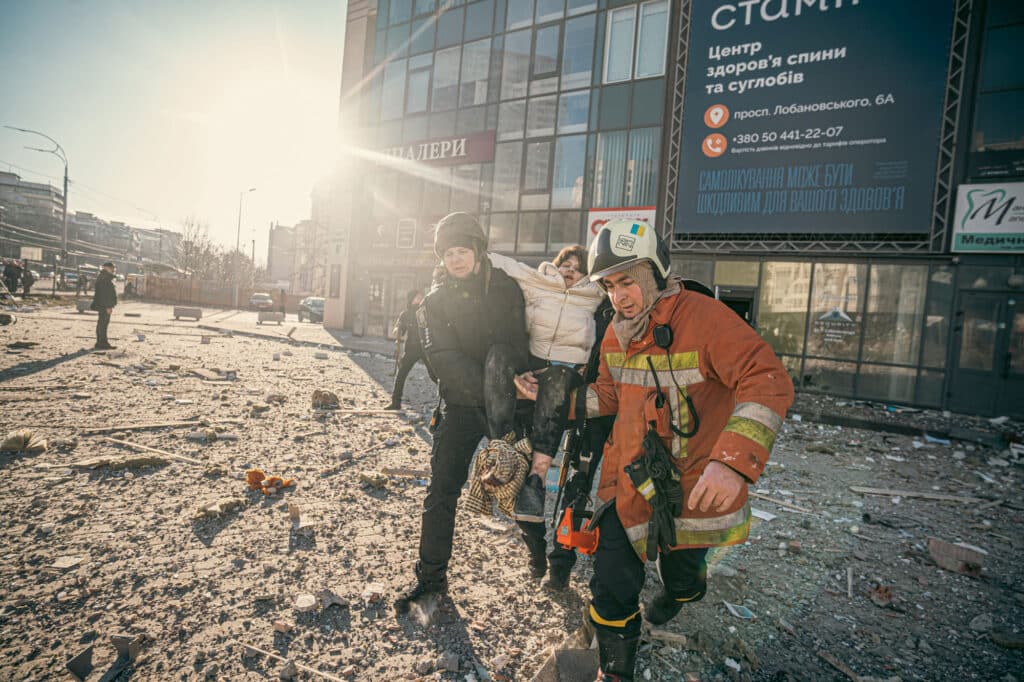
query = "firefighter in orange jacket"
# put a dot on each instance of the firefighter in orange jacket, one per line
(698, 398)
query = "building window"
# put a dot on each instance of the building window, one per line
(652, 39)
(392, 99)
(895, 309)
(581, 6)
(436, 190)
(573, 112)
(642, 167)
(578, 52)
(502, 236)
(570, 163)
(520, 14)
(997, 145)
(398, 41)
(417, 89)
(837, 303)
(446, 79)
(424, 7)
(533, 232)
(610, 169)
(511, 116)
(538, 163)
(400, 10)
(540, 116)
(650, 35)
(549, 10)
(479, 19)
(782, 309)
(516, 64)
(508, 159)
(476, 62)
(618, 51)
(545, 51)
(466, 189)
(449, 28)
(422, 38)
(565, 230)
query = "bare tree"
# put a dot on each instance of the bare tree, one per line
(197, 255)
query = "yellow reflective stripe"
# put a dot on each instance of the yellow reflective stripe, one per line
(686, 360)
(684, 599)
(596, 617)
(646, 489)
(755, 431)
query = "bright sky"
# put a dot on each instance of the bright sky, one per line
(170, 108)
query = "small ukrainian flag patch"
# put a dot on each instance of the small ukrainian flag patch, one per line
(637, 229)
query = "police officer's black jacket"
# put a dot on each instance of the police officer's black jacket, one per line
(460, 320)
(104, 295)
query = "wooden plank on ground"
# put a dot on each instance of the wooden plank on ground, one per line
(914, 493)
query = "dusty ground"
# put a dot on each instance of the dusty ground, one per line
(133, 546)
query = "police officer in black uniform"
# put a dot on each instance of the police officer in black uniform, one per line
(473, 321)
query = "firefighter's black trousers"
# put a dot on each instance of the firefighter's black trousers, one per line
(619, 577)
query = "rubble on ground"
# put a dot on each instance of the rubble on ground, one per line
(879, 554)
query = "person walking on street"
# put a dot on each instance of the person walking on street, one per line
(473, 318)
(104, 299)
(407, 333)
(27, 280)
(698, 398)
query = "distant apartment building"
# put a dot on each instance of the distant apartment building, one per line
(31, 205)
(280, 252)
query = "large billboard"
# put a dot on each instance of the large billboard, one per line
(812, 116)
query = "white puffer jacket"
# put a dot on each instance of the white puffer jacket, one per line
(560, 321)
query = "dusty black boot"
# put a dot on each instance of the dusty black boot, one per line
(530, 502)
(558, 579)
(665, 607)
(533, 536)
(617, 652)
(420, 590)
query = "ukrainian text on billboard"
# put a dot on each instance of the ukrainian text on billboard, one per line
(812, 116)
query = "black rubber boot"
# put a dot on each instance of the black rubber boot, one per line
(617, 652)
(533, 536)
(418, 591)
(661, 609)
(530, 502)
(558, 580)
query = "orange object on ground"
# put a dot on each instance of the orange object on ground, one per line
(268, 485)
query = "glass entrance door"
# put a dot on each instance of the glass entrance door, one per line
(988, 373)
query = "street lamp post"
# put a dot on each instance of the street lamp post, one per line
(57, 151)
(238, 238)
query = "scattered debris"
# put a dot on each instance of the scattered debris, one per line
(146, 448)
(81, 665)
(739, 611)
(320, 355)
(881, 595)
(784, 505)
(378, 481)
(329, 598)
(219, 508)
(305, 603)
(128, 646)
(268, 485)
(839, 665)
(325, 400)
(981, 623)
(911, 493)
(23, 440)
(959, 557)
(66, 562)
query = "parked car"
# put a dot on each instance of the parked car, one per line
(68, 280)
(311, 308)
(261, 301)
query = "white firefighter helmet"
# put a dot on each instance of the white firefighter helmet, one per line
(621, 243)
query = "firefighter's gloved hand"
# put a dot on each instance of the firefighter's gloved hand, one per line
(717, 489)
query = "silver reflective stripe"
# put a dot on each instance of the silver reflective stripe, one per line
(636, 533)
(593, 405)
(643, 378)
(760, 414)
(714, 523)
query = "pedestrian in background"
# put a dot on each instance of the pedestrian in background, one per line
(27, 280)
(104, 299)
(407, 330)
(282, 305)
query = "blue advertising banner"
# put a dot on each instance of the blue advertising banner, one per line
(812, 116)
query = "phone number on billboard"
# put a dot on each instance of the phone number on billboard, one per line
(788, 135)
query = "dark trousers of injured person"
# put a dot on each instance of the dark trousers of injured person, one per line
(549, 419)
(455, 441)
(616, 584)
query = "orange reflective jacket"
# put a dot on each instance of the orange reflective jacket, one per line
(739, 390)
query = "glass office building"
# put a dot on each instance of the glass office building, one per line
(544, 117)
